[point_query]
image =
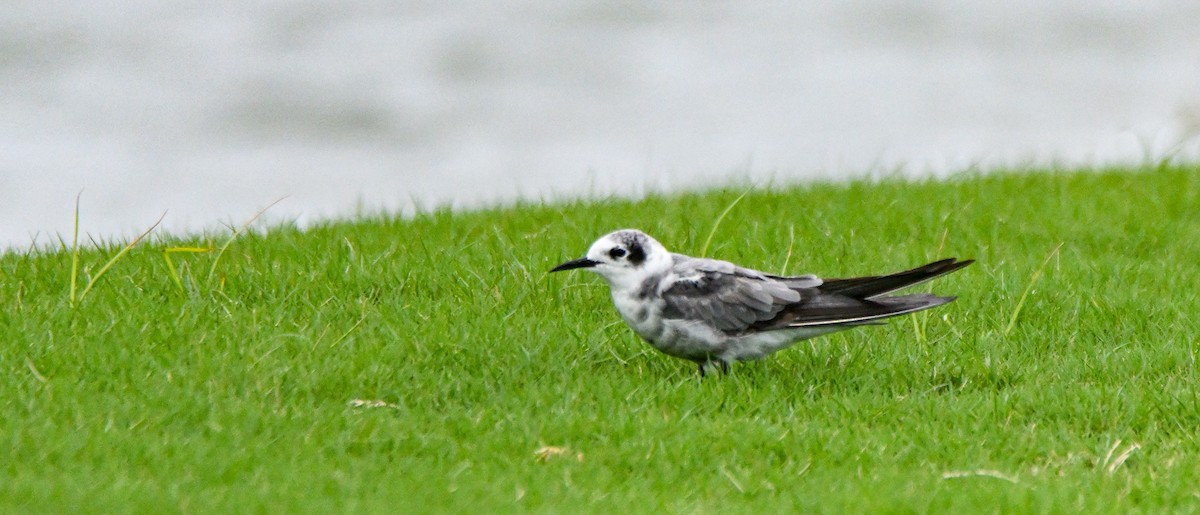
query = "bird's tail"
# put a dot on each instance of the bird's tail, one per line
(859, 312)
(874, 286)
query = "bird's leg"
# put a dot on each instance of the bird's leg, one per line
(721, 365)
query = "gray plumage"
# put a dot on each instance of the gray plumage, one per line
(713, 312)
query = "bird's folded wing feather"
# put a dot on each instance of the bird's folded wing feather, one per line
(738, 300)
(727, 296)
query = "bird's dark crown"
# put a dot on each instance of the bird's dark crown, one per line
(634, 242)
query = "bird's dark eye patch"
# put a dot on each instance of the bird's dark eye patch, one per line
(637, 254)
(616, 253)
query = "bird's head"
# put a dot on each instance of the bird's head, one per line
(625, 258)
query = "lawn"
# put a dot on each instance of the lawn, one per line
(430, 364)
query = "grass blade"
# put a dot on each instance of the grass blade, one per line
(221, 252)
(174, 273)
(717, 223)
(121, 254)
(75, 252)
(1033, 279)
(787, 260)
(171, 263)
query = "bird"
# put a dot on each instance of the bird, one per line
(715, 313)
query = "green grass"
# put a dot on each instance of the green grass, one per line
(1060, 381)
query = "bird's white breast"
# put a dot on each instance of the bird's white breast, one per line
(681, 338)
(643, 315)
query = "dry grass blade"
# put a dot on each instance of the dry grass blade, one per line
(545, 452)
(733, 480)
(995, 474)
(33, 369)
(121, 254)
(1111, 463)
(221, 252)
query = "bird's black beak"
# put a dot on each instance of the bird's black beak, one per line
(575, 263)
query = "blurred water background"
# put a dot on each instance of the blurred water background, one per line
(212, 110)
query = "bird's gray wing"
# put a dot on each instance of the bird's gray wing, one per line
(819, 309)
(730, 298)
(738, 300)
(799, 281)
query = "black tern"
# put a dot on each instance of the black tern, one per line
(714, 312)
